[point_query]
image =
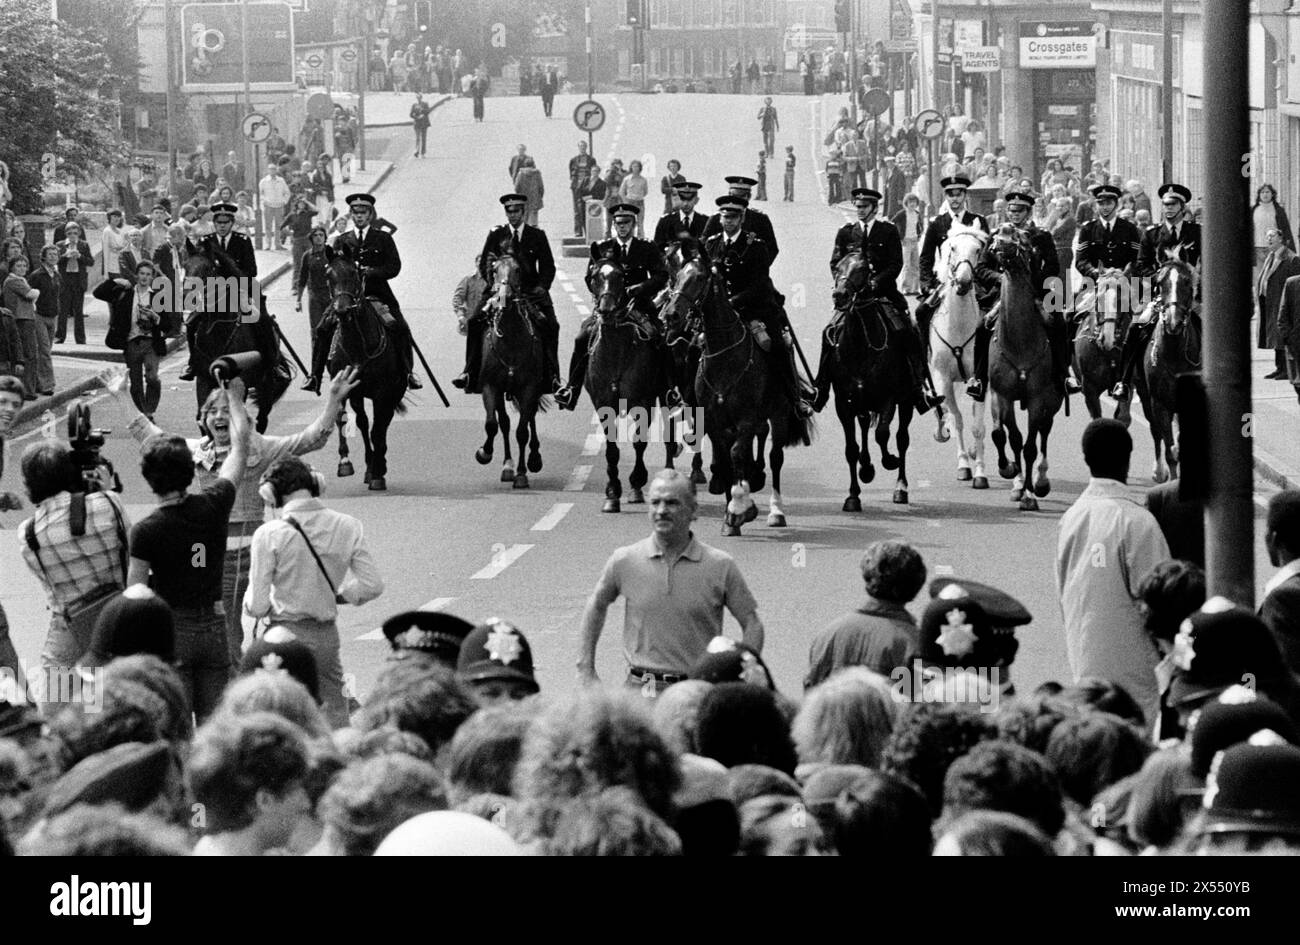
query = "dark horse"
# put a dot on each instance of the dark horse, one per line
(623, 380)
(220, 329)
(512, 369)
(1175, 349)
(685, 349)
(1099, 342)
(737, 400)
(1020, 369)
(870, 378)
(364, 340)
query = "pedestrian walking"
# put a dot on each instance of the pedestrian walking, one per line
(834, 177)
(298, 224)
(345, 142)
(306, 561)
(420, 122)
(753, 73)
(910, 223)
(313, 277)
(528, 181)
(760, 175)
(1279, 265)
(549, 86)
(675, 587)
(321, 184)
(788, 195)
(478, 89)
(769, 126)
(275, 198)
(1108, 543)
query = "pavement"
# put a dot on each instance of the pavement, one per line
(389, 109)
(450, 535)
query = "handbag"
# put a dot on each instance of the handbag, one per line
(82, 618)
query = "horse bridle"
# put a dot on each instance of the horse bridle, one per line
(955, 264)
(852, 309)
(348, 302)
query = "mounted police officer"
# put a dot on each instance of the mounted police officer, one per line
(238, 249)
(1179, 237)
(645, 273)
(1045, 276)
(532, 250)
(373, 251)
(743, 261)
(936, 232)
(751, 220)
(1107, 244)
(684, 218)
(882, 247)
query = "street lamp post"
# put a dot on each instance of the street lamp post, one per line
(248, 110)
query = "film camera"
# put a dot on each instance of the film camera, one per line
(97, 473)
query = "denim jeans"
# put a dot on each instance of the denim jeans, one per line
(323, 640)
(142, 367)
(202, 659)
(234, 583)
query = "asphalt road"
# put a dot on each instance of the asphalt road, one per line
(449, 535)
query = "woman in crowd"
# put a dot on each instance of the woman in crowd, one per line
(20, 298)
(633, 189)
(245, 215)
(1267, 214)
(47, 281)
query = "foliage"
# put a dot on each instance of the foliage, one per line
(52, 80)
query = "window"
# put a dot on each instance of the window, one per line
(676, 61)
(655, 61)
(710, 61)
(625, 63)
(730, 10)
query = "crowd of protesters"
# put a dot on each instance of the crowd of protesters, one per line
(1175, 732)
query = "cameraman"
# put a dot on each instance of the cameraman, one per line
(75, 569)
(305, 562)
(12, 394)
(178, 549)
(208, 453)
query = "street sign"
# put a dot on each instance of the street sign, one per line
(929, 123)
(589, 116)
(212, 52)
(320, 106)
(349, 54)
(900, 45)
(315, 60)
(981, 59)
(256, 127)
(875, 102)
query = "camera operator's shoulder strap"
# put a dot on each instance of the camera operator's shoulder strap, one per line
(77, 526)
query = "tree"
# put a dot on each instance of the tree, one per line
(52, 77)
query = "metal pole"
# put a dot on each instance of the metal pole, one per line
(591, 65)
(1167, 90)
(171, 96)
(363, 77)
(934, 50)
(854, 78)
(258, 235)
(1229, 513)
(991, 120)
(930, 177)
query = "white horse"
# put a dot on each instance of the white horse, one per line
(952, 348)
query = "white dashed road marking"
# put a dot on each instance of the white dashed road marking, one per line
(593, 444)
(500, 562)
(578, 481)
(553, 517)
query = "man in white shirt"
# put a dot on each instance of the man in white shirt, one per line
(114, 242)
(275, 197)
(304, 563)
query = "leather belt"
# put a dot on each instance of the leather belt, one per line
(640, 672)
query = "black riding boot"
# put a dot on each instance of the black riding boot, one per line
(924, 315)
(320, 354)
(923, 393)
(977, 385)
(551, 338)
(468, 378)
(1135, 343)
(823, 374)
(567, 396)
(1058, 336)
(192, 369)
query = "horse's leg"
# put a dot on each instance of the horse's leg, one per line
(385, 408)
(1043, 485)
(956, 424)
(483, 455)
(866, 471)
(848, 422)
(534, 446)
(758, 478)
(902, 439)
(775, 513)
(887, 459)
(977, 432)
(503, 422)
(1007, 470)
(943, 429)
(613, 488)
(639, 475)
(720, 468)
(345, 464)
(740, 508)
(363, 427)
(527, 409)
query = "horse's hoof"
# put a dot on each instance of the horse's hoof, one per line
(852, 504)
(482, 457)
(717, 485)
(964, 474)
(775, 520)
(367, 477)
(521, 481)
(534, 462)
(980, 482)
(507, 474)
(751, 513)
(1017, 494)
(1159, 475)
(1028, 504)
(611, 505)
(377, 484)
(889, 461)
(345, 469)
(900, 497)
(941, 436)
(635, 497)
(698, 477)
(1042, 487)
(866, 473)
(1008, 471)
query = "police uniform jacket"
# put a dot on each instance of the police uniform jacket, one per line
(537, 265)
(1159, 243)
(884, 251)
(378, 253)
(1099, 248)
(935, 234)
(753, 221)
(238, 247)
(1046, 265)
(744, 267)
(671, 224)
(645, 271)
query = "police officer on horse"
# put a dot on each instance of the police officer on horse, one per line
(1045, 275)
(751, 220)
(1178, 237)
(375, 255)
(881, 246)
(936, 232)
(1107, 244)
(645, 274)
(532, 250)
(743, 261)
(684, 219)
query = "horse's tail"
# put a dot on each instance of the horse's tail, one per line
(796, 430)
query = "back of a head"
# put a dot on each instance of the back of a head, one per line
(613, 822)
(418, 696)
(926, 739)
(892, 571)
(740, 723)
(155, 686)
(276, 692)
(166, 463)
(136, 621)
(993, 833)
(1030, 720)
(235, 757)
(1171, 591)
(48, 469)
(775, 825)
(1004, 776)
(371, 798)
(485, 751)
(846, 720)
(1284, 518)
(1103, 695)
(676, 713)
(1093, 752)
(1107, 448)
(880, 814)
(105, 831)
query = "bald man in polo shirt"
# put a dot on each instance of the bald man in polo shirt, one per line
(675, 587)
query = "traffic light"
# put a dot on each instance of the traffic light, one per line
(842, 16)
(634, 13)
(424, 15)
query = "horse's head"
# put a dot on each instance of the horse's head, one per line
(852, 278)
(1108, 308)
(689, 288)
(505, 279)
(609, 287)
(1177, 282)
(959, 255)
(1012, 250)
(344, 280)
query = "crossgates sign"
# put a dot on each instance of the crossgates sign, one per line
(1069, 44)
(212, 47)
